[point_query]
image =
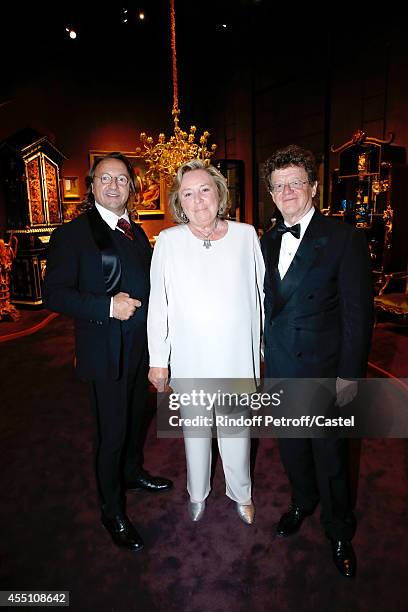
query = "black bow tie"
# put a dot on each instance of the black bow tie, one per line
(281, 228)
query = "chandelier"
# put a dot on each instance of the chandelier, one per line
(165, 156)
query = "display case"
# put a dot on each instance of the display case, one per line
(30, 178)
(369, 189)
(233, 170)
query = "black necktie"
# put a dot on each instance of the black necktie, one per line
(281, 228)
(126, 227)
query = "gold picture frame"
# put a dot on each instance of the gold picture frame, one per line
(70, 187)
(149, 201)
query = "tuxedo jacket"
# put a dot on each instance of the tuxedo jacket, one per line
(318, 318)
(87, 264)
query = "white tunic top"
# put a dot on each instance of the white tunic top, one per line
(205, 307)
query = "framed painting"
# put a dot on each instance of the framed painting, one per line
(150, 198)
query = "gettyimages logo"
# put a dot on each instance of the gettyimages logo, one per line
(219, 399)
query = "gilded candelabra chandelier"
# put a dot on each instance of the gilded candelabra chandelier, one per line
(165, 156)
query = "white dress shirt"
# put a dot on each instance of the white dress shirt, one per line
(110, 217)
(112, 220)
(290, 244)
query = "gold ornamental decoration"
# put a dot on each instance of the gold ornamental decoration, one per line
(165, 156)
(361, 138)
(8, 252)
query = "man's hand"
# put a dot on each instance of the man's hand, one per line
(159, 377)
(346, 391)
(124, 306)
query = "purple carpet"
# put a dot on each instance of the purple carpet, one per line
(52, 538)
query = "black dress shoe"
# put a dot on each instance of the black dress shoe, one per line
(291, 521)
(344, 557)
(123, 533)
(144, 481)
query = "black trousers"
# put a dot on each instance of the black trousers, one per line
(318, 470)
(120, 409)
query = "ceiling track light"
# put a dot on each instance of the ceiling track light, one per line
(124, 15)
(71, 33)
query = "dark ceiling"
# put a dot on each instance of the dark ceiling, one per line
(34, 40)
(35, 47)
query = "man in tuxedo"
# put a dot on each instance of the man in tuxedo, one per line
(98, 273)
(318, 323)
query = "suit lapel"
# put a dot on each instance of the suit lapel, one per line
(111, 264)
(273, 258)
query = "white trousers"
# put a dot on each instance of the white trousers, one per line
(235, 456)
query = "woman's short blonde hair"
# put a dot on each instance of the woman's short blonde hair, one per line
(220, 181)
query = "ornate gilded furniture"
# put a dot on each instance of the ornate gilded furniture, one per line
(393, 295)
(30, 179)
(370, 190)
(8, 252)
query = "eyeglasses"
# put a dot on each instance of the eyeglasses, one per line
(295, 184)
(106, 179)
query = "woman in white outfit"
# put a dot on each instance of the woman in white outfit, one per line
(205, 317)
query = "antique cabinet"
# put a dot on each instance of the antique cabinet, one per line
(31, 193)
(369, 189)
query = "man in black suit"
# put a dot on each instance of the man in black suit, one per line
(318, 323)
(98, 273)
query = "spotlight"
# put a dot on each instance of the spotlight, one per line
(71, 33)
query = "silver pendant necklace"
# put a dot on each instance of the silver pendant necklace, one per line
(207, 241)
